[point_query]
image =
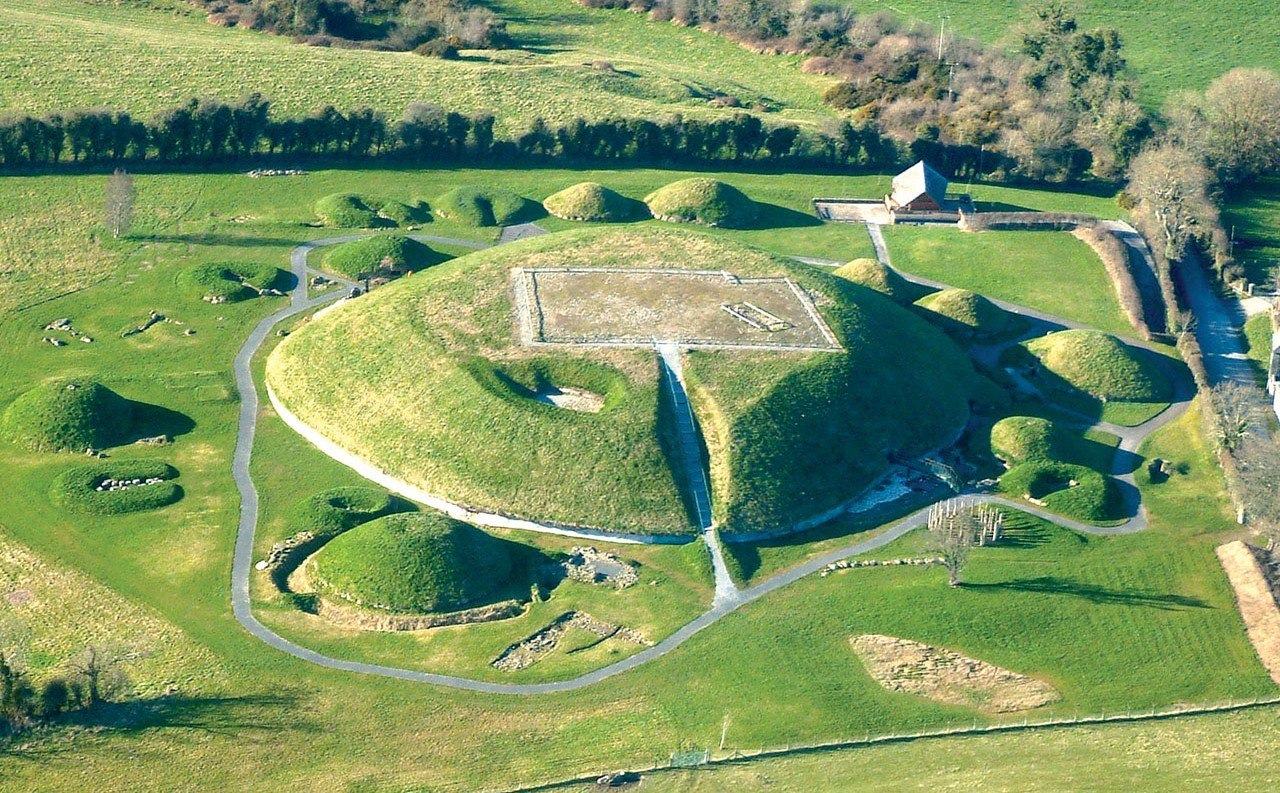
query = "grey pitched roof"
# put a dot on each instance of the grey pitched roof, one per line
(919, 180)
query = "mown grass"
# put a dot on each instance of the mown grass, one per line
(243, 715)
(1253, 218)
(1174, 46)
(1257, 336)
(76, 53)
(1046, 270)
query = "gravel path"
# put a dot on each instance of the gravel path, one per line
(728, 598)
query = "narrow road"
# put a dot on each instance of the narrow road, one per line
(728, 596)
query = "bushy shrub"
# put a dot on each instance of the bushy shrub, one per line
(76, 489)
(1092, 497)
(391, 254)
(230, 282)
(67, 415)
(700, 200)
(437, 48)
(413, 563)
(594, 203)
(874, 275)
(484, 207)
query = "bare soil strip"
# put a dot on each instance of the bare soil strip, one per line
(1256, 601)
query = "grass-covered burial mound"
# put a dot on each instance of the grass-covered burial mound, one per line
(874, 275)
(700, 200)
(357, 211)
(593, 203)
(1071, 490)
(412, 563)
(1101, 366)
(1017, 439)
(116, 487)
(476, 206)
(391, 255)
(231, 282)
(967, 315)
(67, 415)
(437, 389)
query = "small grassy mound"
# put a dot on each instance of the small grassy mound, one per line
(372, 255)
(400, 214)
(67, 415)
(474, 206)
(874, 275)
(966, 314)
(413, 563)
(230, 282)
(77, 489)
(331, 512)
(706, 201)
(593, 203)
(1019, 439)
(1101, 366)
(347, 211)
(1070, 490)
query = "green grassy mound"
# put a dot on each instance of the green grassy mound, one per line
(67, 415)
(1018, 439)
(966, 314)
(400, 214)
(1091, 498)
(1101, 366)
(331, 512)
(77, 489)
(706, 201)
(436, 390)
(230, 282)
(413, 563)
(347, 211)
(474, 206)
(380, 254)
(594, 203)
(874, 275)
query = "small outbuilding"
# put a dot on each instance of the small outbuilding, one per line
(918, 189)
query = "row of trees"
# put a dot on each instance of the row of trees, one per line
(210, 130)
(95, 676)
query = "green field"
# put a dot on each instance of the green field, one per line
(62, 54)
(1046, 270)
(242, 715)
(1172, 46)
(1252, 218)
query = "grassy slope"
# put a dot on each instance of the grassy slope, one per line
(1257, 334)
(1204, 752)
(1046, 270)
(270, 720)
(1174, 45)
(59, 54)
(1253, 218)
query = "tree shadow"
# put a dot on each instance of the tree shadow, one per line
(1097, 594)
(228, 240)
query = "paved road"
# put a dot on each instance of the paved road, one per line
(1217, 328)
(1143, 266)
(243, 560)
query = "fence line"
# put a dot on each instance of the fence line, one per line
(727, 756)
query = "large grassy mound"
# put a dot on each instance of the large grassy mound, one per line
(594, 203)
(415, 562)
(230, 282)
(435, 390)
(359, 211)
(67, 415)
(966, 314)
(1071, 490)
(391, 254)
(700, 200)
(1101, 366)
(874, 275)
(116, 487)
(475, 206)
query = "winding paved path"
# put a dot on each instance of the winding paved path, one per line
(728, 599)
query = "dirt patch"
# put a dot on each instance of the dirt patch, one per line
(949, 677)
(570, 398)
(1256, 600)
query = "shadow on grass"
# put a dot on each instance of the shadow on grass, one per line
(1094, 593)
(227, 240)
(151, 420)
(772, 216)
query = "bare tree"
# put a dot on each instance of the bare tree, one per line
(119, 202)
(1259, 486)
(1237, 409)
(955, 527)
(99, 674)
(1170, 186)
(1235, 124)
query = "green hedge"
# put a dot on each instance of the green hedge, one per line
(67, 415)
(229, 282)
(76, 489)
(1093, 499)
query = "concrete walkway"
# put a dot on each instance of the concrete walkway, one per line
(728, 596)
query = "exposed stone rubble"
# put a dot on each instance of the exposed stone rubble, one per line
(258, 173)
(64, 325)
(528, 652)
(153, 318)
(112, 485)
(849, 564)
(592, 566)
